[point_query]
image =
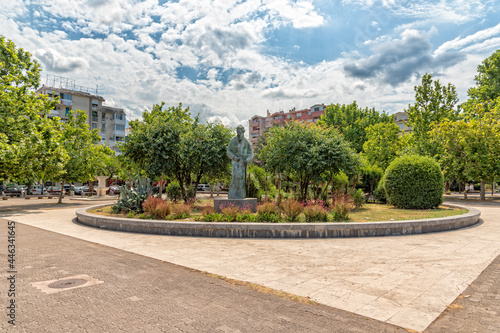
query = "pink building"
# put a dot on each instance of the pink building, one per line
(257, 125)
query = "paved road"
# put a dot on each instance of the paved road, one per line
(406, 281)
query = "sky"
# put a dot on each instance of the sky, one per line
(229, 60)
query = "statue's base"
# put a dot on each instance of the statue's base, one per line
(248, 203)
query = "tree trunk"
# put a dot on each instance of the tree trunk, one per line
(483, 191)
(265, 188)
(493, 187)
(211, 191)
(160, 188)
(446, 186)
(279, 190)
(218, 187)
(62, 189)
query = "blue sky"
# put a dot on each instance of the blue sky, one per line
(229, 60)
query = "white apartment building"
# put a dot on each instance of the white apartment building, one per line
(109, 121)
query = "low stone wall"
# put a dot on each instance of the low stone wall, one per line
(279, 230)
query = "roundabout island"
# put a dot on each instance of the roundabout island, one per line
(279, 230)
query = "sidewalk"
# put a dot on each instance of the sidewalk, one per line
(141, 294)
(406, 281)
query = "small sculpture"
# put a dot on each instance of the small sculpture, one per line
(239, 150)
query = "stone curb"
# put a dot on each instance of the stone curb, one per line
(279, 230)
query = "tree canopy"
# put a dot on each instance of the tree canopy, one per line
(30, 146)
(352, 121)
(170, 143)
(305, 151)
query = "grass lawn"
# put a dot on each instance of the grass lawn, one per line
(368, 213)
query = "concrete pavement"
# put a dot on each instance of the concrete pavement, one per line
(407, 281)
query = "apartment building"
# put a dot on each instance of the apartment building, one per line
(400, 118)
(258, 125)
(109, 121)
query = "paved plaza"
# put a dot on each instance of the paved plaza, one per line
(432, 282)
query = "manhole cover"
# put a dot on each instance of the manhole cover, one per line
(68, 283)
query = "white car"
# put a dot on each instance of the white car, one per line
(37, 190)
(203, 187)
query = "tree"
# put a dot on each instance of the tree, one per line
(433, 104)
(304, 151)
(352, 121)
(487, 80)
(29, 141)
(382, 143)
(86, 157)
(170, 143)
(471, 145)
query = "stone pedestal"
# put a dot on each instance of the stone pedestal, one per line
(248, 203)
(101, 186)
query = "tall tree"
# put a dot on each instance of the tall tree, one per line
(29, 141)
(471, 146)
(170, 143)
(433, 104)
(304, 151)
(487, 80)
(352, 121)
(382, 143)
(86, 157)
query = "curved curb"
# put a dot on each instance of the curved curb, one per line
(279, 230)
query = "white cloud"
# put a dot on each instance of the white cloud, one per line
(444, 10)
(479, 37)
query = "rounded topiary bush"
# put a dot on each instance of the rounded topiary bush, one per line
(414, 182)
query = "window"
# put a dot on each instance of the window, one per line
(67, 112)
(94, 115)
(401, 126)
(289, 116)
(119, 116)
(103, 127)
(254, 135)
(268, 120)
(67, 97)
(298, 115)
(309, 112)
(315, 119)
(119, 127)
(256, 129)
(94, 125)
(256, 120)
(309, 120)
(119, 138)
(277, 117)
(316, 109)
(95, 103)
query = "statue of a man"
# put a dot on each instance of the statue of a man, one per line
(240, 152)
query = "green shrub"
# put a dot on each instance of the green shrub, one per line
(180, 211)
(268, 212)
(341, 204)
(230, 213)
(358, 198)
(213, 217)
(131, 200)
(379, 192)
(292, 209)
(173, 191)
(315, 213)
(414, 182)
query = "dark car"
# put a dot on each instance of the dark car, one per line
(113, 190)
(13, 191)
(55, 190)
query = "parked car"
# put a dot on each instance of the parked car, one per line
(68, 187)
(55, 190)
(14, 191)
(113, 190)
(78, 190)
(37, 190)
(86, 191)
(203, 187)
